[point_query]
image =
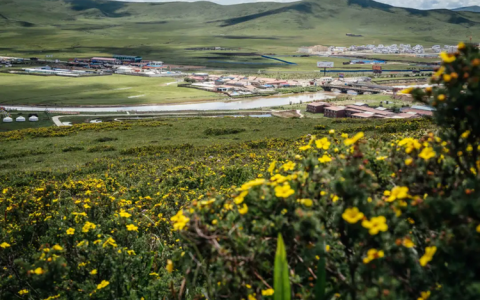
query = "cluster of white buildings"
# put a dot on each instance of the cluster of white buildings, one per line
(390, 49)
(446, 48)
(146, 71)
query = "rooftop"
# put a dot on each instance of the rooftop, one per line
(318, 104)
(335, 108)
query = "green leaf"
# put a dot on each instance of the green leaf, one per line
(321, 280)
(281, 280)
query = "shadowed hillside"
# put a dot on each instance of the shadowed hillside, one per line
(165, 30)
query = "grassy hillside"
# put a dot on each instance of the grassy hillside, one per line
(79, 28)
(475, 8)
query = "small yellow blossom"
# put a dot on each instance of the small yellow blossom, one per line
(169, 266)
(288, 166)
(351, 141)
(398, 192)
(427, 153)
(124, 214)
(424, 295)
(132, 227)
(38, 271)
(70, 231)
(284, 191)
(323, 143)
(93, 272)
(408, 161)
(102, 284)
(268, 292)
(375, 225)
(408, 243)
(4, 245)
(352, 215)
(373, 254)
(88, 226)
(324, 159)
(243, 210)
(57, 247)
(447, 58)
(427, 257)
(23, 292)
(180, 221)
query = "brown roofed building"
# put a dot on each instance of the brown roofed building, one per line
(335, 111)
(317, 107)
(423, 113)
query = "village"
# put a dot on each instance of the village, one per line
(417, 50)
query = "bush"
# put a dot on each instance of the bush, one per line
(72, 149)
(101, 148)
(105, 139)
(223, 131)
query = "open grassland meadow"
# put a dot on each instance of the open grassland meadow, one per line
(247, 208)
(98, 90)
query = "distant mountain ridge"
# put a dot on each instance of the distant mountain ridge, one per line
(474, 8)
(100, 26)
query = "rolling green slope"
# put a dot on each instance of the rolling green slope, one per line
(76, 28)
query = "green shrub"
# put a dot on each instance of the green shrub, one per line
(223, 131)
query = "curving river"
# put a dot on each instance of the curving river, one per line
(214, 105)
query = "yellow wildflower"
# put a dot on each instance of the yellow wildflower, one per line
(408, 243)
(375, 225)
(352, 215)
(180, 221)
(408, 161)
(169, 266)
(250, 184)
(465, 134)
(132, 227)
(427, 257)
(331, 131)
(70, 231)
(424, 295)
(398, 192)
(323, 143)
(4, 245)
(110, 242)
(284, 191)
(102, 284)
(351, 141)
(288, 166)
(93, 272)
(57, 247)
(124, 214)
(373, 254)
(23, 292)
(306, 202)
(478, 228)
(88, 226)
(271, 168)
(38, 271)
(440, 72)
(268, 292)
(305, 148)
(441, 97)
(243, 210)
(239, 199)
(447, 58)
(427, 153)
(324, 159)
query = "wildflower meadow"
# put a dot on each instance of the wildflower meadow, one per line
(335, 214)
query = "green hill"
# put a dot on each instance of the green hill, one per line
(474, 8)
(76, 28)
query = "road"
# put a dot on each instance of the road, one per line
(57, 122)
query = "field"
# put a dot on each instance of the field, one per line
(180, 131)
(103, 90)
